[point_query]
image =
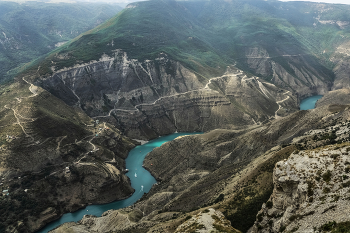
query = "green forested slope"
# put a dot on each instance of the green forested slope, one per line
(32, 29)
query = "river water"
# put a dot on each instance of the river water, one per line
(310, 102)
(141, 181)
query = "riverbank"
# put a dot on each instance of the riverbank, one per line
(142, 183)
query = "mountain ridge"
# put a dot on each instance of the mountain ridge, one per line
(237, 69)
(32, 29)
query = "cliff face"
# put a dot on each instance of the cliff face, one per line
(339, 97)
(151, 98)
(311, 187)
(120, 82)
(299, 73)
(207, 221)
(54, 159)
(341, 60)
(230, 171)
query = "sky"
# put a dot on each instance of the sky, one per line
(326, 1)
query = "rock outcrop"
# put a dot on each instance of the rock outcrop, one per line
(311, 187)
(55, 159)
(228, 170)
(339, 97)
(207, 221)
(151, 98)
(299, 73)
(341, 59)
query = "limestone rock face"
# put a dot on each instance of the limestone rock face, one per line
(151, 98)
(305, 79)
(206, 221)
(341, 59)
(311, 188)
(56, 157)
(338, 97)
(120, 82)
(213, 169)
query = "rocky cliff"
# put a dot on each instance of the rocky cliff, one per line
(54, 159)
(302, 74)
(338, 97)
(151, 98)
(310, 190)
(341, 60)
(228, 170)
(187, 78)
(311, 186)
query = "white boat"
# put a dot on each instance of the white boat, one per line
(135, 174)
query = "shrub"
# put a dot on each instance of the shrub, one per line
(347, 169)
(342, 227)
(334, 156)
(346, 184)
(326, 190)
(327, 176)
(336, 198)
(310, 192)
(219, 198)
(328, 226)
(282, 228)
(269, 204)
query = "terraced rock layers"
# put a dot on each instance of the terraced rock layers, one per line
(157, 97)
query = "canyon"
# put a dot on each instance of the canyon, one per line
(69, 119)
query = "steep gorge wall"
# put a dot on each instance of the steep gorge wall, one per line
(300, 73)
(311, 188)
(228, 170)
(52, 162)
(151, 98)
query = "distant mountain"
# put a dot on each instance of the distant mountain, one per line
(271, 39)
(32, 29)
(169, 47)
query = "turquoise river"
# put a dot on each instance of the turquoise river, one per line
(310, 102)
(141, 181)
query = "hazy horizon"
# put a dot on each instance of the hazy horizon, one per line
(125, 2)
(324, 1)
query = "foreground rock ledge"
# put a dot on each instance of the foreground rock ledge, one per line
(311, 189)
